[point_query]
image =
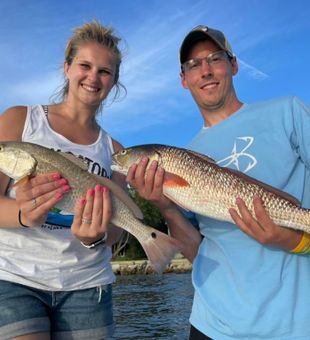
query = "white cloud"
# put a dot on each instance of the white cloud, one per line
(252, 71)
(32, 91)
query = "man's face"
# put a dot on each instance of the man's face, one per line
(209, 83)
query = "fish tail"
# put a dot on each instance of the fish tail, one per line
(160, 249)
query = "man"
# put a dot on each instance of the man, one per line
(251, 278)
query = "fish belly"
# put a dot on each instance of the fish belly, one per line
(191, 200)
(217, 206)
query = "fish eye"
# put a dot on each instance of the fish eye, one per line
(123, 152)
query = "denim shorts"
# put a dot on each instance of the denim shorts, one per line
(79, 314)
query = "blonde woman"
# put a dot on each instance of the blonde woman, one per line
(55, 272)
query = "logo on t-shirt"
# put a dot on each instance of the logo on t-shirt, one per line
(240, 157)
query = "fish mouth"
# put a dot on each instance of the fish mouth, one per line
(118, 168)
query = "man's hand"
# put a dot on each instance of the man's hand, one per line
(261, 228)
(148, 182)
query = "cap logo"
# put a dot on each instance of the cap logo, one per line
(204, 28)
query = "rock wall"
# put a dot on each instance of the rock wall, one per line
(144, 267)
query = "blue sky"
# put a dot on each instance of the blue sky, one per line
(271, 40)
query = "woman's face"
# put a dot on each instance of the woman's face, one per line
(91, 74)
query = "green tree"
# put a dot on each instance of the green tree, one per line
(152, 215)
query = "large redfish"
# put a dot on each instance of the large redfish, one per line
(196, 183)
(19, 160)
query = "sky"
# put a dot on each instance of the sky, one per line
(271, 40)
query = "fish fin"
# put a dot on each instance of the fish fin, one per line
(173, 180)
(267, 187)
(174, 200)
(21, 181)
(160, 249)
(74, 159)
(121, 194)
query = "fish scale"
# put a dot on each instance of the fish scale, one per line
(196, 183)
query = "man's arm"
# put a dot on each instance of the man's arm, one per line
(149, 184)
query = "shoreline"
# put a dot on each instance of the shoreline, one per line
(177, 265)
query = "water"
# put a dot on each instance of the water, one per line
(152, 306)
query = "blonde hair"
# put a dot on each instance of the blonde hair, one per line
(93, 32)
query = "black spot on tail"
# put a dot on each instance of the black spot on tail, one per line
(154, 235)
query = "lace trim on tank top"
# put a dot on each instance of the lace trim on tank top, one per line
(45, 109)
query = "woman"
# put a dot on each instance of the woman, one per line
(55, 272)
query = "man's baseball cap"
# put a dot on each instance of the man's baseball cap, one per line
(202, 33)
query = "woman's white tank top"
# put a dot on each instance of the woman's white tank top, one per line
(50, 257)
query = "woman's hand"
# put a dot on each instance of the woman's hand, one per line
(261, 228)
(92, 215)
(38, 196)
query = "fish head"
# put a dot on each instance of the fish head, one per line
(15, 162)
(123, 159)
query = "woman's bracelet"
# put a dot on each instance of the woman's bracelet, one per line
(96, 243)
(20, 219)
(303, 246)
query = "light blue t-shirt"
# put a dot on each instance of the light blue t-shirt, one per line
(243, 289)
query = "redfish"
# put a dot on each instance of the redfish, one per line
(196, 183)
(19, 160)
